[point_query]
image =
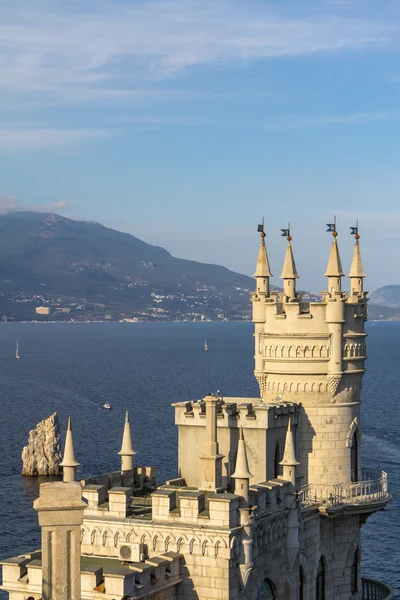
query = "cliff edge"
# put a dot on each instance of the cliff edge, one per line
(42, 455)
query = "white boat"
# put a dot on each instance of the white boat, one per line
(205, 345)
(107, 406)
(17, 352)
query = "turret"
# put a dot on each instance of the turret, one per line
(69, 463)
(126, 453)
(289, 271)
(356, 274)
(334, 271)
(289, 461)
(263, 272)
(242, 473)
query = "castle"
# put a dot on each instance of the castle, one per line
(270, 495)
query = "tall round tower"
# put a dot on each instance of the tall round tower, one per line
(313, 353)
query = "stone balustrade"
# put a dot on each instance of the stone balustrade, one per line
(375, 590)
(373, 487)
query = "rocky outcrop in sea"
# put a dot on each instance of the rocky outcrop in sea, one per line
(42, 455)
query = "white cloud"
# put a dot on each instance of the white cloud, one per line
(17, 139)
(110, 48)
(8, 204)
(50, 206)
(306, 122)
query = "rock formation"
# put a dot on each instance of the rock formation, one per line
(42, 455)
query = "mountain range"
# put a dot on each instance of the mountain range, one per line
(53, 260)
(83, 271)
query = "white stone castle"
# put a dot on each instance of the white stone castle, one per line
(270, 497)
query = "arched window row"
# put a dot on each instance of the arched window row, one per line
(296, 351)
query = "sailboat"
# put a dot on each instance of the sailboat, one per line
(205, 345)
(17, 352)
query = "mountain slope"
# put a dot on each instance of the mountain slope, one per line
(50, 255)
(388, 295)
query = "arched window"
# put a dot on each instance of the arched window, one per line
(354, 573)
(277, 458)
(320, 581)
(301, 584)
(266, 591)
(354, 458)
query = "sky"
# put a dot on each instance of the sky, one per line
(184, 122)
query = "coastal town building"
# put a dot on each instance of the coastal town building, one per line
(270, 494)
(42, 310)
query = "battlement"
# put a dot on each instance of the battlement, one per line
(140, 479)
(110, 577)
(234, 412)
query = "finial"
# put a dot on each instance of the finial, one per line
(332, 227)
(260, 229)
(286, 233)
(69, 462)
(354, 231)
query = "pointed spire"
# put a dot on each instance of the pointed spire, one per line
(242, 466)
(127, 453)
(356, 269)
(69, 462)
(289, 454)
(289, 461)
(334, 268)
(289, 271)
(263, 268)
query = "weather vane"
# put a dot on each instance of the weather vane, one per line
(286, 233)
(332, 227)
(260, 229)
(354, 231)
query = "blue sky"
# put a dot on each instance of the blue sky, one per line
(184, 122)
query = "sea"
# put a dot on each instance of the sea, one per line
(74, 368)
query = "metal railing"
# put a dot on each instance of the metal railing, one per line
(372, 487)
(375, 590)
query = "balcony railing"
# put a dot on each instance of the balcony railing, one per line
(373, 487)
(375, 590)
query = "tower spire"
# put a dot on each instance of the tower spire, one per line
(69, 462)
(289, 271)
(289, 461)
(263, 271)
(356, 273)
(334, 271)
(242, 473)
(211, 460)
(127, 453)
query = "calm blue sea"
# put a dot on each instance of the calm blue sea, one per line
(74, 368)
